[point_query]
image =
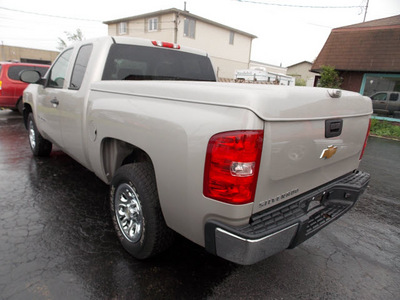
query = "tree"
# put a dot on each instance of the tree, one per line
(300, 82)
(330, 78)
(71, 37)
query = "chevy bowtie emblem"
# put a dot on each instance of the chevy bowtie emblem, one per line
(329, 152)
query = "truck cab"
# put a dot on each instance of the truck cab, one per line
(386, 102)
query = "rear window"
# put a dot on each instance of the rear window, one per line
(130, 62)
(13, 71)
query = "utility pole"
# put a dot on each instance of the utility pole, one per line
(2, 51)
(176, 28)
(366, 8)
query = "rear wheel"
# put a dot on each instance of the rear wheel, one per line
(136, 211)
(39, 145)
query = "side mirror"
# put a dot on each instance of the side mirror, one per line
(30, 76)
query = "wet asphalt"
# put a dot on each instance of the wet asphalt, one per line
(57, 240)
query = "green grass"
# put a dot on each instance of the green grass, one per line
(385, 129)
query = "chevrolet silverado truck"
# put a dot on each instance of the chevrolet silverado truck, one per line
(386, 103)
(243, 170)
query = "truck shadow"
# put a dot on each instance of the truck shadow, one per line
(73, 204)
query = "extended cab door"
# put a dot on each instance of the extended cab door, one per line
(72, 105)
(49, 98)
(379, 100)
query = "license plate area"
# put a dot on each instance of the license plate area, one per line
(315, 204)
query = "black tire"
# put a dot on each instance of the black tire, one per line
(136, 211)
(20, 106)
(39, 145)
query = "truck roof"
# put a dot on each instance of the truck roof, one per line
(148, 43)
(138, 41)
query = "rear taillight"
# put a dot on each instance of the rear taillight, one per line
(366, 140)
(166, 45)
(232, 164)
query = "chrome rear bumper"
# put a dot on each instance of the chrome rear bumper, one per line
(286, 225)
(247, 251)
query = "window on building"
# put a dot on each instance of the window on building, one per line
(231, 37)
(123, 28)
(152, 24)
(189, 28)
(375, 83)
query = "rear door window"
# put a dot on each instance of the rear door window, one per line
(394, 97)
(80, 66)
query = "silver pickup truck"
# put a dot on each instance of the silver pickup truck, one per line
(244, 170)
(386, 103)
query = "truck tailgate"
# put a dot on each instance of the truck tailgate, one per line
(302, 152)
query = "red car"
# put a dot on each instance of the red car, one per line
(11, 87)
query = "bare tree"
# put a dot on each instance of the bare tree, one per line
(71, 37)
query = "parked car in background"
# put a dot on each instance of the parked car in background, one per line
(387, 103)
(11, 87)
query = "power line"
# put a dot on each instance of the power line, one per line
(298, 6)
(46, 15)
(69, 18)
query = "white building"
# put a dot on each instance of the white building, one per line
(229, 48)
(302, 70)
(267, 67)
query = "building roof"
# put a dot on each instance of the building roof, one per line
(181, 13)
(265, 64)
(300, 63)
(372, 46)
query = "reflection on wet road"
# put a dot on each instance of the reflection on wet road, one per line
(57, 240)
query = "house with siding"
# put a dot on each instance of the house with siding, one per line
(228, 48)
(302, 70)
(366, 55)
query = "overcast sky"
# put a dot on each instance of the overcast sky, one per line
(288, 31)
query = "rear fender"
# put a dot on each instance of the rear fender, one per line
(116, 153)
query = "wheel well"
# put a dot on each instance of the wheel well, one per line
(26, 111)
(116, 153)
